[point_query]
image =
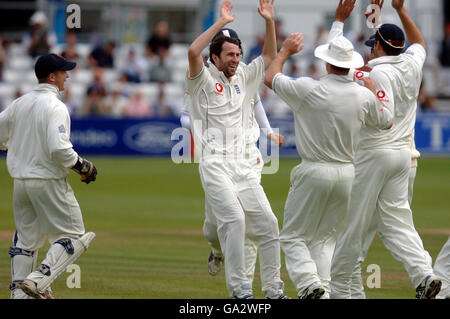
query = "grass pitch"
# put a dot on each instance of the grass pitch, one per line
(148, 215)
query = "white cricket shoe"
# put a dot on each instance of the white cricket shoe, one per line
(245, 293)
(429, 288)
(215, 264)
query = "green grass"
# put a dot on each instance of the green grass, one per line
(148, 215)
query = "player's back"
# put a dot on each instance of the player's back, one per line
(398, 81)
(29, 155)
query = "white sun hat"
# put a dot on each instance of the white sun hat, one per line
(339, 52)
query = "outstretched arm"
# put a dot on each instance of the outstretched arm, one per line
(270, 43)
(412, 31)
(292, 45)
(196, 48)
(343, 11)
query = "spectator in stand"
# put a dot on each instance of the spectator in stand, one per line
(2, 57)
(427, 102)
(444, 55)
(132, 67)
(161, 72)
(162, 107)
(93, 105)
(70, 51)
(103, 56)
(138, 106)
(257, 49)
(39, 39)
(70, 102)
(273, 104)
(98, 83)
(159, 42)
(115, 103)
(279, 33)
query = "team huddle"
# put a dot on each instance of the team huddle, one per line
(354, 133)
(356, 142)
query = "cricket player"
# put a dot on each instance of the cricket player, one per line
(329, 115)
(36, 130)
(442, 269)
(383, 163)
(255, 120)
(219, 96)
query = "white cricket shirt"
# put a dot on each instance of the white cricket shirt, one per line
(329, 114)
(36, 127)
(217, 109)
(397, 79)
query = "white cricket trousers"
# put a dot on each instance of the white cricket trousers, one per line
(442, 269)
(315, 209)
(380, 192)
(357, 288)
(45, 209)
(255, 161)
(241, 209)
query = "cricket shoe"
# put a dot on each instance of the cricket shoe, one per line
(30, 288)
(428, 288)
(280, 296)
(245, 293)
(215, 264)
(315, 291)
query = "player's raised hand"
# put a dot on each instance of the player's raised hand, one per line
(225, 12)
(344, 9)
(293, 44)
(397, 4)
(276, 138)
(266, 9)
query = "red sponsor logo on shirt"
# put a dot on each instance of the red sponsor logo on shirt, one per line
(219, 88)
(381, 94)
(359, 75)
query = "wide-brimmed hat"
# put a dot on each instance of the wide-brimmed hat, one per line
(340, 52)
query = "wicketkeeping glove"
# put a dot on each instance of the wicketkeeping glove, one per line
(86, 169)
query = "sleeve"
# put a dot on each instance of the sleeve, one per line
(58, 131)
(290, 90)
(337, 29)
(261, 118)
(4, 128)
(187, 102)
(417, 53)
(67, 157)
(377, 115)
(254, 71)
(384, 89)
(193, 85)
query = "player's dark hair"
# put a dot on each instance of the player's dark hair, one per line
(216, 45)
(388, 49)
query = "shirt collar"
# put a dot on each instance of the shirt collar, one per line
(49, 88)
(339, 78)
(390, 59)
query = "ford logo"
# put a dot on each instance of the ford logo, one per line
(149, 138)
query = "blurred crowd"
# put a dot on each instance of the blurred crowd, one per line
(147, 80)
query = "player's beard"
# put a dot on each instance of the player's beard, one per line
(229, 71)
